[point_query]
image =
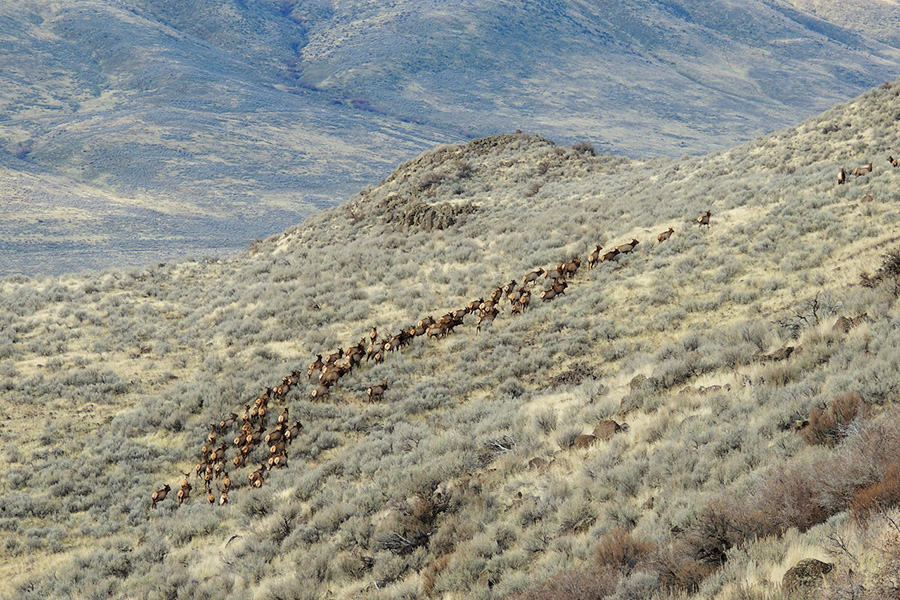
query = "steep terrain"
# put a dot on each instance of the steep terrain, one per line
(136, 131)
(467, 479)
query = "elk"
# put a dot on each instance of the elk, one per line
(487, 317)
(858, 171)
(842, 176)
(226, 483)
(277, 448)
(321, 390)
(532, 276)
(373, 335)
(594, 258)
(377, 391)
(330, 376)
(570, 268)
(224, 423)
(292, 433)
(626, 248)
(611, 255)
(219, 454)
(274, 436)
(558, 289)
(223, 499)
(316, 365)
(665, 235)
(894, 162)
(185, 491)
(256, 477)
(334, 356)
(522, 304)
(704, 219)
(283, 417)
(160, 495)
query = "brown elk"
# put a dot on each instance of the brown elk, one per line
(373, 334)
(522, 304)
(330, 376)
(283, 417)
(487, 317)
(223, 498)
(626, 248)
(570, 268)
(377, 391)
(320, 391)
(858, 171)
(704, 219)
(611, 255)
(292, 433)
(894, 162)
(532, 276)
(160, 495)
(219, 454)
(274, 436)
(256, 477)
(842, 176)
(210, 498)
(277, 448)
(239, 461)
(316, 365)
(226, 483)
(557, 289)
(224, 423)
(594, 258)
(185, 492)
(665, 235)
(334, 356)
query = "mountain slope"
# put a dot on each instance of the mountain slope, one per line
(111, 382)
(239, 119)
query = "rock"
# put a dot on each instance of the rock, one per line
(584, 441)
(607, 428)
(538, 463)
(807, 572)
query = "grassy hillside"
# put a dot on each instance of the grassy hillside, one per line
(195, 127)
(715, 488)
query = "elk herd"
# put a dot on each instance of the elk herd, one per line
(863, 170)
(255, 444)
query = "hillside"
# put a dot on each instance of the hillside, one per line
(715, 488)
(195, 127)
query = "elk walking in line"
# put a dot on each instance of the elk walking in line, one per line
(160, 495)
(665, 235)
(594, 258)
(842, 176)
(704, 219)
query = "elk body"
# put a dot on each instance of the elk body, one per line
(665, 235)
(160, 495)
(594, 258)
(704, 219)
(842, 176)
(859, 171)
(377, 391)
(626, 248)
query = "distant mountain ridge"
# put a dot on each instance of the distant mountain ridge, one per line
(197, 126)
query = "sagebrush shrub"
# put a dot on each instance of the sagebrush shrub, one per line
(829, 426)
